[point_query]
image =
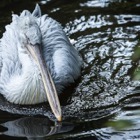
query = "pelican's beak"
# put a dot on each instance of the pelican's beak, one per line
(47, 80)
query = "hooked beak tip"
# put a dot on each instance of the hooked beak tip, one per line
(59, 118)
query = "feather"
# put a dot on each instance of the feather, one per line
(20, 80)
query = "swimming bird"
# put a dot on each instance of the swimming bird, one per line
(37, 60)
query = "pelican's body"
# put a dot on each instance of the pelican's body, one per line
(20, 77)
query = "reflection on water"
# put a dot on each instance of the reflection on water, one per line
(99, 3)
(106, 34)
(31, 127)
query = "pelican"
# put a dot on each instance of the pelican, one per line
(37, 60)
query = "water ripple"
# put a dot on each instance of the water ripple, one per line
(106, 39)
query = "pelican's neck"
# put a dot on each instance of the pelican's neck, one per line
(25, 86)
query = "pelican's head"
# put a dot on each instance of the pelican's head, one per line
(30, 36)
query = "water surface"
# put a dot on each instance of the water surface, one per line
(106, 33)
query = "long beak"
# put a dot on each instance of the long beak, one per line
(47, 80)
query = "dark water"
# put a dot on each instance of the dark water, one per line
(106, 33)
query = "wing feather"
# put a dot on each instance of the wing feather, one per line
(61, 57)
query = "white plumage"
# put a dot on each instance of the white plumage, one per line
(20, 78)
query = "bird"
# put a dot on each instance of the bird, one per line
(37, 60)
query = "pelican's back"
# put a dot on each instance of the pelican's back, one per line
(61, 57)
